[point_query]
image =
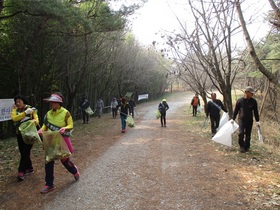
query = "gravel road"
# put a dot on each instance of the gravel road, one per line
(152, 167)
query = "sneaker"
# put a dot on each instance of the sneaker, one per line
(77, 175)
(29, 171)
(123, 131)
(20, 176)
(242, 150)
(47, 189)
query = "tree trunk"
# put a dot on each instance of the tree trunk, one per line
(271, 77)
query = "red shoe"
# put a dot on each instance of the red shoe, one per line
(20, 176)
(77, 174)
(47, 189)
(123, 131)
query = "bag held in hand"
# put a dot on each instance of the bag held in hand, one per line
(54, 145)
(89, 111)
(158, 114)
(130, 121)
(29, 132)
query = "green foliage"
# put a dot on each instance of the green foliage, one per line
(79, 48)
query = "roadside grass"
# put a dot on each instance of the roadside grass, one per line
(259, 168)
(8, 156)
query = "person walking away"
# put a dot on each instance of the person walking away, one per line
(246, 107)
(22, 112)
(99, 107)
(58, 119)
(114, 107)
(125, 109)
(213, 109)
(163, 107)
(195, 103)
(132, 105)
(84, 105)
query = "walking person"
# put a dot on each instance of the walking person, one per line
(99, 107)
(114, 107)
(246, 107)
(213, 109)
(84, 104)
(22, 112)
(195, 103)
(163, 107)
(125, 109)
(58, 119)
(132, 105)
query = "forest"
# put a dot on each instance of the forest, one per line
(86, 48)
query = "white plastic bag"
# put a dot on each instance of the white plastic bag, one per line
(89, 111)
(224, 119)
(223, 136)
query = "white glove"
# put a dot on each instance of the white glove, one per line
(29, 111)
(258, 123)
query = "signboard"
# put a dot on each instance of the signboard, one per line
(144, 96)
(6, 106)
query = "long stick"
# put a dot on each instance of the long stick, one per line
(204, 123)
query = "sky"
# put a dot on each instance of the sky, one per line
(159, 15)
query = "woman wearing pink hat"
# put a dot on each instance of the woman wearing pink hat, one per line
(58, 119)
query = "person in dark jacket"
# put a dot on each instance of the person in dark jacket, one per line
(163, 107)
(195, 103)
(246, 107)
(132, 105)
(84, 105)
(125, 110)
(213, 109)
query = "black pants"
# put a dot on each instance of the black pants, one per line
(132, 111)
(215, 121)
(85, 116)
(114, 112)
(49, 170)
(25, 150)
(194, 112)
(163, 118)
(245, 129)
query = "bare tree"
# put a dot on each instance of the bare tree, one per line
(210, 43)
(272, 77)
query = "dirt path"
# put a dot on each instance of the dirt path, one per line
(149, 167)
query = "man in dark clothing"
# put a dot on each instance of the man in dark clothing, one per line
(213, 109)
(163, 107)
(246, 107)
(132, 105)
(84, 104)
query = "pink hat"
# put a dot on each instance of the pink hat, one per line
(54, 98)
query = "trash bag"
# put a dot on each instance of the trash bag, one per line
(54, 146)
(224, 119)
(130, 121)
(158, 114)
(89, 111)
(199, 109)
(223, 136)
(260, 136)
(29, 132)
